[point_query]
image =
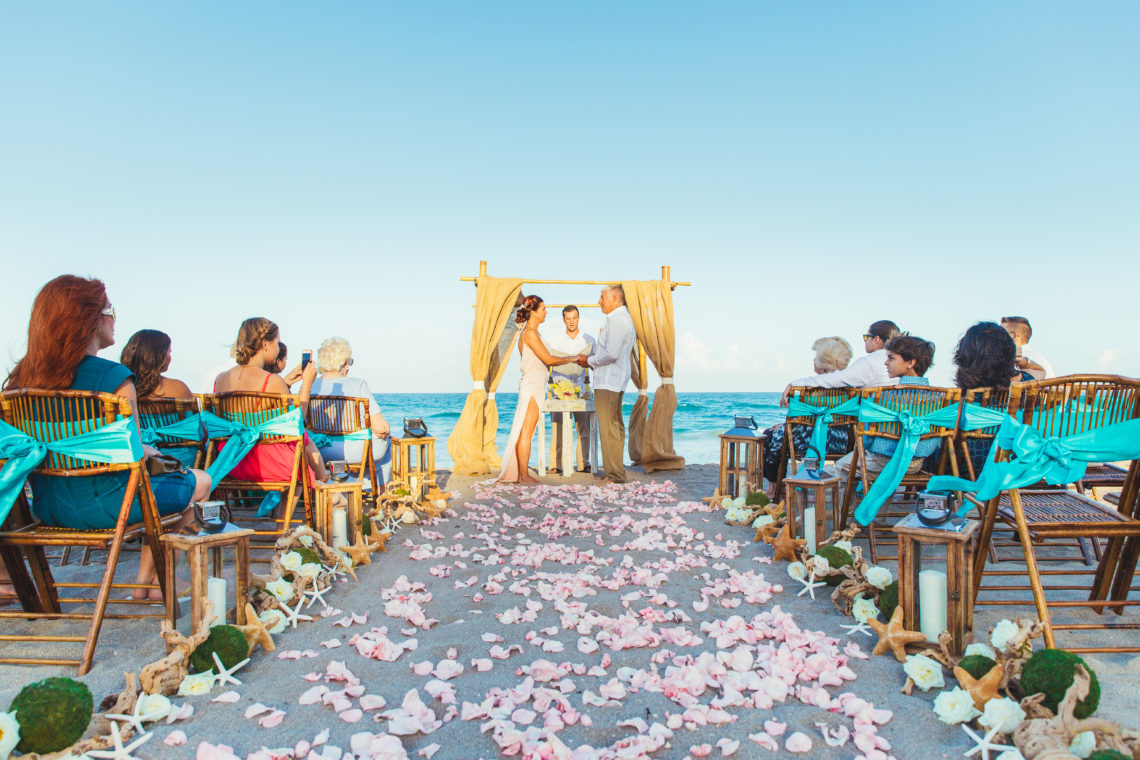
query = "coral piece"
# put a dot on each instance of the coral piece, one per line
(1049, 738)
(255, 632)
(785, 546)
(982, 689)
(893, 637)
(1050, 672)
(53, 714)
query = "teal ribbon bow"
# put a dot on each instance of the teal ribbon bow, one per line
(114, 443)
(823, 417)
(1035, 456)
(911, 428)
(324, 440)
(243, 438)
(189, 428)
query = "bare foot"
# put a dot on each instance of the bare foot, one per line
(181, 586)
(527, 480)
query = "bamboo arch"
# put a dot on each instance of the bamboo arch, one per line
(471, 443)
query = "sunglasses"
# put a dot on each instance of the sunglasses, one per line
(867, 336)
(109, 311)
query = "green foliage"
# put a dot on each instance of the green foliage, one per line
(757, 499)
(889, 599)
(308, 555)
(365, 526)
(835, 557)
(53, 714)
(227, 641)
(1108, 754)
(1050, 672)
(977, 665)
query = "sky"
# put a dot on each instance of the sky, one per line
(808, 167)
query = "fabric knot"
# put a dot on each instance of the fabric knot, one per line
(912, 424)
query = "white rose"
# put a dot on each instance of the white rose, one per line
(955, 706)
(763, 520)
(738, 502)
(1002, 633)
(153, 707)
(980, 648)
(309, 570)
(1003, 714)
(726, 502)
(925, 672)
(196, 685)
(282, 590)
(1010, 754)
(1083, 744)
(290, 561)
(9, 733)
(797, 570)
(306, 541)
(274, 620)
(879, 577)
(864, 609)
(844, 545)
(820, 565)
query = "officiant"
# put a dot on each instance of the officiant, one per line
(570, 342)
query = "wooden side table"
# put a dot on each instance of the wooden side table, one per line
(197, 549)
(567, 408)
(959, 547)
(324, 513)
(803, 492)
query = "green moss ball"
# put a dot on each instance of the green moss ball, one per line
(757, 499)
(365, 526)
(1050, 672)
(977, 665)
(889, 599)
(1108, 754)
(837, 558)
(227, 641)
(308, 555)
(52, 713)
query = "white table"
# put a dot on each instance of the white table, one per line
(566, 409)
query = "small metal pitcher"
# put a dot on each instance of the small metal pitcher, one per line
(211, 515)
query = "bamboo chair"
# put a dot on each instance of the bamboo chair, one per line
(919, 400)
(340, 415)
(1040, 516)
(155, 411)
(23, 538)
(252, 408)
(829, 397)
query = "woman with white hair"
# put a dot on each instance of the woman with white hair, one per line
(334, 359)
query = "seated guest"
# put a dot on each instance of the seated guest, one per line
(865, 372)
(831, 355)
(256, 346)
(72, 320)
(985, 358)
(334, 358)
(1032, 364)
(278, 367)
(908, 359)
(147, 354)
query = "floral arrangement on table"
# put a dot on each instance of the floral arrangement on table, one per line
(564, 390)
(1040, 701)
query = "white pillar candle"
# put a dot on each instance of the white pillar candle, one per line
(932, 603)
(809, 528)
(414, 482)
(340, 528)
(216, 593)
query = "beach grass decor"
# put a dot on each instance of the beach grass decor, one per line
(52, 713)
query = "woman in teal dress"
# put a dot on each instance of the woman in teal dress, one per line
(72, 320)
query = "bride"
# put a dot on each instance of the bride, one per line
(532, 388)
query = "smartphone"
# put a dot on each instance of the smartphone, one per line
(306, 357)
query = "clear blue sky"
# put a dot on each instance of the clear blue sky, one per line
(809, 167)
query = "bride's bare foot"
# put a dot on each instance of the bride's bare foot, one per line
(527, 480)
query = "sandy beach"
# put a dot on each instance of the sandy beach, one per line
(648, 549)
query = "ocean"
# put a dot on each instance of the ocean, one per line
(700, 418)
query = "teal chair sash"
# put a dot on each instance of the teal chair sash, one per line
(243, 438)
(823, 417)
(189, 428)
(1035, 456)
(115, 443)
(324, 440)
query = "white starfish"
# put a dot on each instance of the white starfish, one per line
(810, 585)
(226, 675)
(293, 614)
(985, 744)
(859, 627)
(136, 719)
(314, 594)
(335, 570)
(119, 752)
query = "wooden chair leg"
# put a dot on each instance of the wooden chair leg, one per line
(985, 538)
(1031, 568)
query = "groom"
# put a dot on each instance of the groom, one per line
(610, 362)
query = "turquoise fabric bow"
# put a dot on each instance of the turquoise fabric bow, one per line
(324, 440)
(912, 428)
(1034, 456)
(242, 439)
(114, 443)
(190, 428)
(823, 417)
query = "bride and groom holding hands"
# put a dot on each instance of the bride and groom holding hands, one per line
(609, 360)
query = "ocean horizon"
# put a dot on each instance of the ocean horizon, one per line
(699, 419)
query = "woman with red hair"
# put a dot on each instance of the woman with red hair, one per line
(72, 320)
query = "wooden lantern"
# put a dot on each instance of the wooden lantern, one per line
(741, 460)
(325, 516)
(939, 597)
(198, 549)
(413, 464)
(807, 505)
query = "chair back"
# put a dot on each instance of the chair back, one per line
(338, 415)
(51, 415)
(975, 444)
(919, 400)
(157, 411)
(1072, 404)
(828, 397)
(253, 408)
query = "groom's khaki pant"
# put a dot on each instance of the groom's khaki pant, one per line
(611, 431)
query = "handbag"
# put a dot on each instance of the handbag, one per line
(414, 427)
(162, 464)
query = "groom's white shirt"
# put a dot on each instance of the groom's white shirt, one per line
(610, 360)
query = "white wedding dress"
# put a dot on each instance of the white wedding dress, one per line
(532, 389)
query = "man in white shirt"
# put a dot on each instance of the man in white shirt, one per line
(569, 342)
(865, 372)
(1028, 360)
(610, 362)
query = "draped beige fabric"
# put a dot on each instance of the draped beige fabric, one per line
(640, 406)
(651, 307)
(472, 442)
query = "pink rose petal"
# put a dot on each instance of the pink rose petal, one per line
(175, 738)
